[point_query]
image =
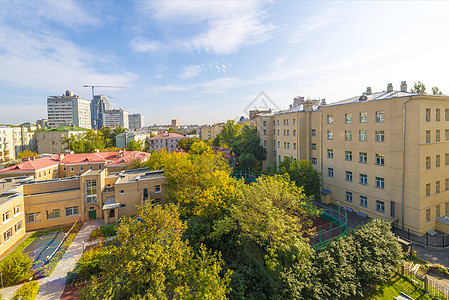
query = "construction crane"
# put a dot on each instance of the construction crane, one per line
(103, 86)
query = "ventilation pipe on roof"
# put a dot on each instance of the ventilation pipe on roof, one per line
(368, 90)
(390, 87)
(403, 86)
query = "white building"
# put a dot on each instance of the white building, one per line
(115, 118)
(168, 141)
(7, 149)
(67, 110)
(136, 121)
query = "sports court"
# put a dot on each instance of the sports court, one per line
(43, 246)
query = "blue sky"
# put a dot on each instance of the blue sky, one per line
(203, 62)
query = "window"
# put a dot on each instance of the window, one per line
(278, 132)
(437, 211)
(288, 132)
(428, 215)
(16, 209)
(91, 191)
(348, 155)
(446, 207)
(284, 132)
(363, 135)
(437, 187)
(18, 226)
(446, 134)
(7, 234)
(33, 217)
(285, 145)
(380, 183)
(427, 136)
(313, 146)
(380, 159)
(122, 192)
(428, 189)
(330, 134)
(313, 161)
(157, 189)
(330, 153)
(348, 118)
(446, 184)
(349, 196)
(279, 144)
(380, 206)
(363, 157)
(349, 176)
(264, 123)
(446, 114)
(348, 135)
(380, 136)
(122, 206)
(446, 159)
(380, 116)
(313, 132)
(288, 122)
(363, 201)
(330, 119)
(45, 173)
(284, 122)
(428, 162)
(437, 114)
(294, 121)
(90, 167)
(330, 172)
(363, 117)
(437, 161)
(54, 214)
(81, 168)
(294, 132)
(294, 146)
(427, 114)
(278, 122)
(363, 179)
(288, 145)
(265, 143)
(6, 216)
(437, 136)
(99, 167)
(71, 211)
(265, 132)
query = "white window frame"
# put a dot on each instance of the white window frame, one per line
(348, 155)
(349, 196)
(157, 189)
(380, 183)
(348, 176)
(363, 201)
(380, 206)
(363, 179)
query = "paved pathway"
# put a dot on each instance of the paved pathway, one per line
(433, 256)
(51, 287)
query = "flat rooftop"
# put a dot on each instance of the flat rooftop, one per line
(8, 186)
(137, 174)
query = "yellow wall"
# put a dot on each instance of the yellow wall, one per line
(9, 224)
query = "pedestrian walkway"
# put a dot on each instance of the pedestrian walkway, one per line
(51, 287)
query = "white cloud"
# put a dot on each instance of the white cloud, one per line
(229, 25)
(312, 24)
(191, 72)
(141, 45)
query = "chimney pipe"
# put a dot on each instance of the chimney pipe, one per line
(403, 86)
(390, 87)
(368, 90)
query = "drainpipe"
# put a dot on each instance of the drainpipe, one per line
(403, 158)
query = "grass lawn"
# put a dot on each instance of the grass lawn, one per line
(394, 287)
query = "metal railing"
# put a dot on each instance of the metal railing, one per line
(425, 282)
(60, 244)
(332, 230)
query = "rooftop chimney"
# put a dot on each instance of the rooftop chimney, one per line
(403, 86)
(368, 90)
(61, 156)
(97, 151)
(390, 87)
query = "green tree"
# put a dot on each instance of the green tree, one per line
(436, 91)
(248, 142)
(86, 142)
(185, 144)
(228, 134)
(302, 173)
(171, 130)
(275, 214)
(247, 161)
(134, 146)
(114, 133)
(107, 136)
(15, 268)
(26, 153)
(418, 88)
(200, 148)
(152, 262)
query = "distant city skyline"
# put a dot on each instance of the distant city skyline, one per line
(204, 62)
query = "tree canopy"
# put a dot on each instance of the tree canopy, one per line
(228, 134)
(26, 153)
(86, 142)
(153, 262)
(134, 146)
(302, 173)
(185, 144)
(420, 88)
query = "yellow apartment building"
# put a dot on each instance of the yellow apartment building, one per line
(52, 140)
(29, 204)
(209, 132)
(382, 154)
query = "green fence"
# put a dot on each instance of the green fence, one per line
(246, 175)
(338, 225)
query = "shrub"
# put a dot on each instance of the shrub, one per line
(96, 233)
(15, 268)
(109, 230)
(89, 264)
(28, 291)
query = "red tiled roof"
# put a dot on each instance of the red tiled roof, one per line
(33, 165)
(111, 158)
(167, 136)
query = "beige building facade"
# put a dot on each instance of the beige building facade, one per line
(381, 154)
(27, 204)
(52, 140)
(209, 132)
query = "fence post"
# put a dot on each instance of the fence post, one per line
(426, 284)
